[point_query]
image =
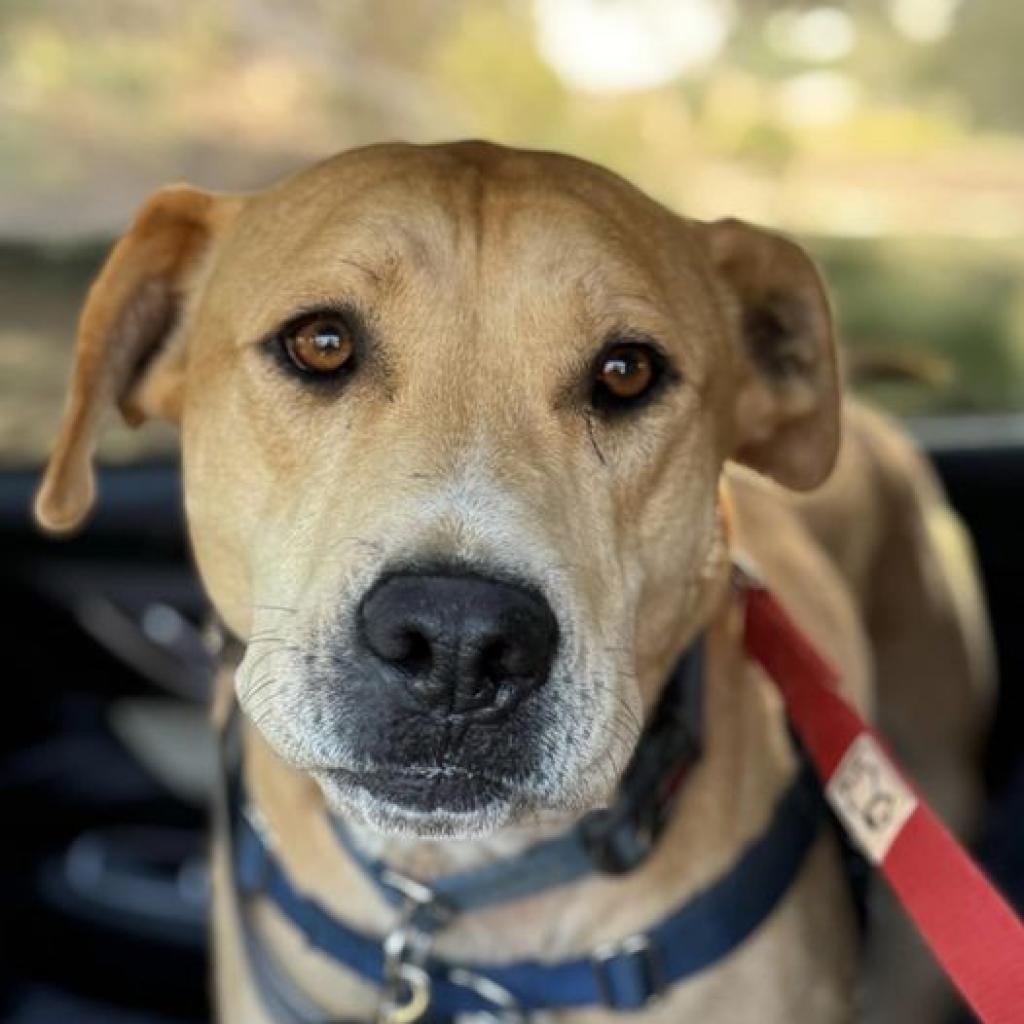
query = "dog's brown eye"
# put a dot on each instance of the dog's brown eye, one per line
(625, 373)
(321, 344)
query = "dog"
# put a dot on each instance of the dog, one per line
(471, 438)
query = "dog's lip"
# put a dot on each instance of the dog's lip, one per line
(409, 773)
(420, 789)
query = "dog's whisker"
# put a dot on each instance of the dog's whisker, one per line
(621, 733)
(260, 636)
(375, 546)
(633, 720)
(257, 690)
(251, 669)
(264, 639)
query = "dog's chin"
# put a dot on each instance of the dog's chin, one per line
(422, 803)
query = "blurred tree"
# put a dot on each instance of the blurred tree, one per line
(980, 61)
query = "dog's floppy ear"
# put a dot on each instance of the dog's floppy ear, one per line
(126, 353)
(787, 406)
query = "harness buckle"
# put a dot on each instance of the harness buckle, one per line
(617, 844)
(424, 909)
(506, 1007)
(629, 973)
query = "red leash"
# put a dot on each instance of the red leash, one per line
(969, 927)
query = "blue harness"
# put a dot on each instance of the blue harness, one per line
(623, 976)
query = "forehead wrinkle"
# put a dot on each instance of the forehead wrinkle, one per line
(269, 309)
(406, 236)
(378, 275)
(617, 302)
(358, 261)
(607, 283)
(639, 264)
(569, 242)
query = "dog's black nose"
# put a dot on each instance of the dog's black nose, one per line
(462, 644)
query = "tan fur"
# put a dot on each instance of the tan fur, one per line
(490, 277)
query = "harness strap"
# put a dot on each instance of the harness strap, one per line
(966, 923)
(281, 997)
(545, 865)
(623, 976)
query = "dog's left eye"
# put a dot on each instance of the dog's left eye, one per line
(625, 374)
(319, 344)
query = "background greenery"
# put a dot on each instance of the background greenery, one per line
(888, 134)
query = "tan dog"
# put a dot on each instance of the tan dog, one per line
(455, 424)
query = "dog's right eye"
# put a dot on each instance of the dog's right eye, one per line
(626, 375)
(320, 344)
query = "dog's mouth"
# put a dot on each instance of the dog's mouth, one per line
(419, 789)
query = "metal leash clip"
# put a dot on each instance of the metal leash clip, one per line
(746, 574)
(406, 982)
(406, 948)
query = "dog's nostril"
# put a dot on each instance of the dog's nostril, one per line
(462, 644)
(500, 660)
(403, 646)
(414, 653)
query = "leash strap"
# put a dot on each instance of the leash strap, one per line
(969, 927)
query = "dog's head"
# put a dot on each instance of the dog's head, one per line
(453, 422)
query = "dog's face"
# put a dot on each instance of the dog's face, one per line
(453, 421)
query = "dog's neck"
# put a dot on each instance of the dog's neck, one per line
(427, 859)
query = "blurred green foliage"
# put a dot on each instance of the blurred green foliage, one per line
(887, 133)
(958, 311)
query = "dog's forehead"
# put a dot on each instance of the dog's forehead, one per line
(465, 185)
(471, 216)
